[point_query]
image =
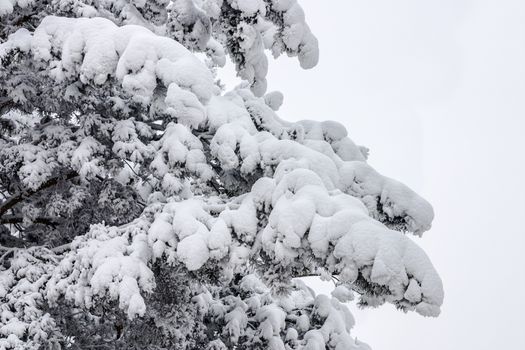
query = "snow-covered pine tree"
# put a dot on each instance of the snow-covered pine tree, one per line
(142, 207)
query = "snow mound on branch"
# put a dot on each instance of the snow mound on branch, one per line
(274, 99)
(341, 233)
(304, 219)
(186, 232)
(307, 219)
(244, 29)
(336, 326)
(7, 6)
(178, 148)
(296, 33)
(387, 199)
(299, 319)
(95, 51)
(23, 323)
(107, 262)
(249, 136)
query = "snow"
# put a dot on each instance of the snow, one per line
(397, 200)
(6, 7)
(20, 313)
(242, 221)
(344, 294)
(184, 106)
(275, 152)
(20, 39)
(274, 100)
(193, 251)
(216, 52)
(178, 146)
(228, 108)
(161, 231)
(296, 34)
(232, 137)
(272, 318)
(249, 7)
(358, 241)
(116, 268)
(413, 292)
(14, 327)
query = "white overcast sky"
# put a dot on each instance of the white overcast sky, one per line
(436, 90)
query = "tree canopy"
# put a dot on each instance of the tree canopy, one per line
(142, 206)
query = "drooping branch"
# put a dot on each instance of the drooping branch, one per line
(17, 198)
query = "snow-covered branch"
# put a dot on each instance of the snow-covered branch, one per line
(18, 197)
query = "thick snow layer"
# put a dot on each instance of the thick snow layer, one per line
(296, 33)
(7, 6)
(385, 197)
(95, 51)
(241, 140)
(334, 227)
(274, 100)
(23, 323)
(114, 265)
(178, 147)
(340, 232)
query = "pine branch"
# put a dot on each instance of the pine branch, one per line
(17, 198)
(54, 250)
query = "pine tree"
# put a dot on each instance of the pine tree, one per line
(143, 207)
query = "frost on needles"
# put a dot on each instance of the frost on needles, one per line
(143, 207)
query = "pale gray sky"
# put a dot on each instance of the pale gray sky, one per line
(436, 90)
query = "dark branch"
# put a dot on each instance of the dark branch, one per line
(156, 126)
(17, 198)
(5, 105)
(45, 220)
